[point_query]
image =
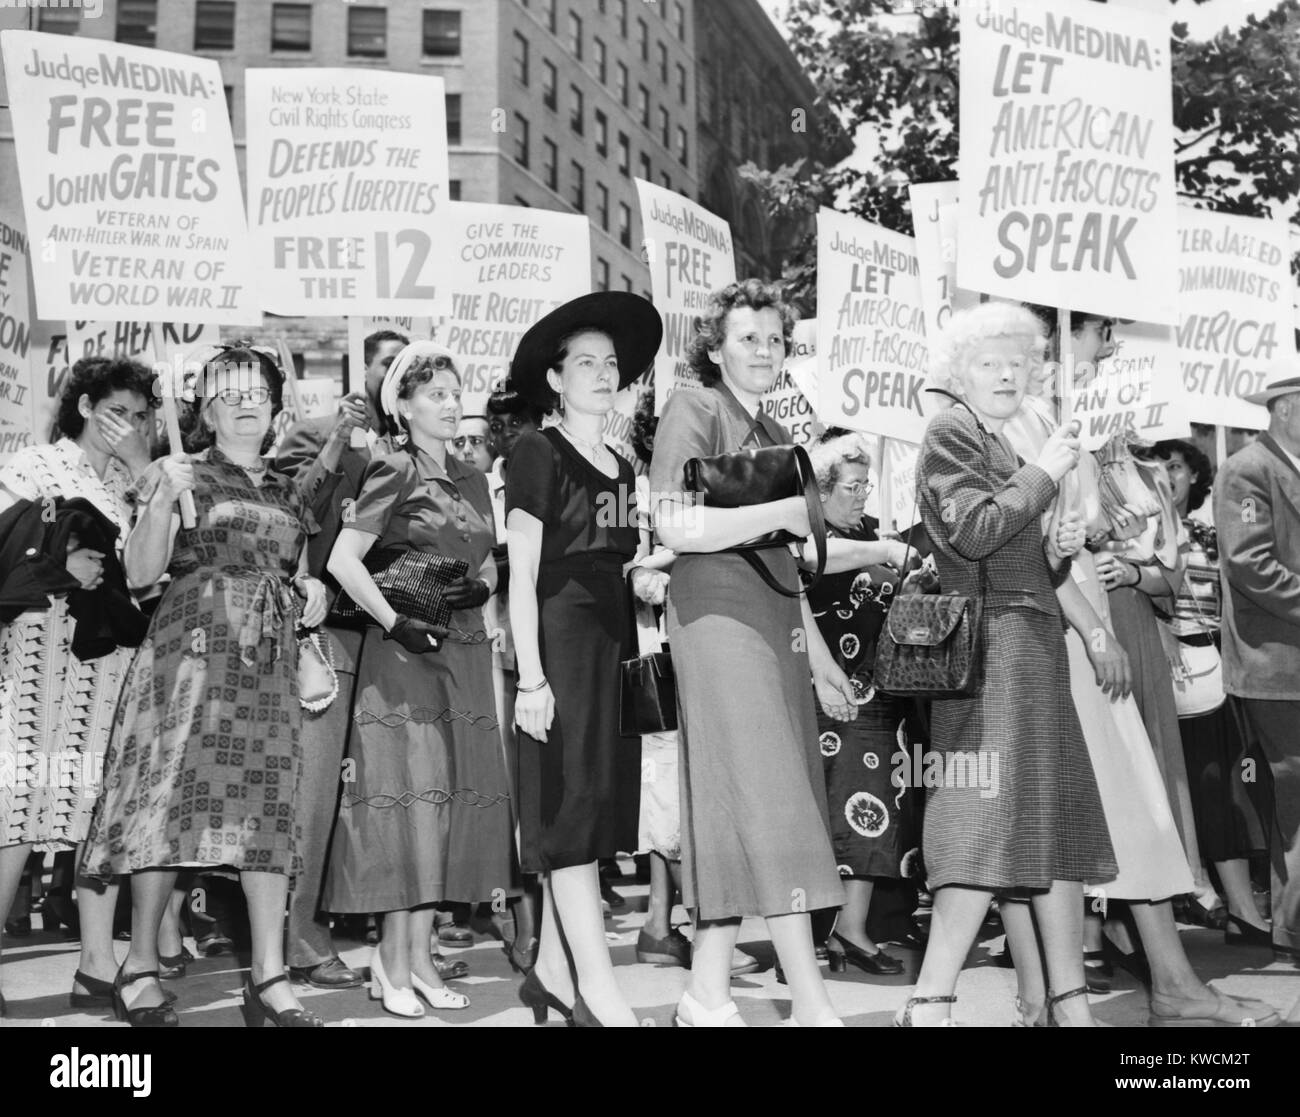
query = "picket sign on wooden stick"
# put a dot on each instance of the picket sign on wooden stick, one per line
(885, 501)
(290, 377)
(1220, 445)
(170, 382)
(1069, 488)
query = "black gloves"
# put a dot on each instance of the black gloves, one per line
(467, 593)
(416, 636)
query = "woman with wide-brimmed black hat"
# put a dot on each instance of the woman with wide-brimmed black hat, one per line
(571, 530)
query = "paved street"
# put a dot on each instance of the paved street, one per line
(37, 976)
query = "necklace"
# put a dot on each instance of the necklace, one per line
(254, 468)
(593, 448)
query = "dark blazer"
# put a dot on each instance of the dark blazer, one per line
(328, 493)
(1257, 513)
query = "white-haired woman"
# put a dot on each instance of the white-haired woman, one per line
(871, 819)
(425, 817)
(1044, 833)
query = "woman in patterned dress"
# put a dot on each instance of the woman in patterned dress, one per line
(56, 710)
(204, 760)
(1044, 832)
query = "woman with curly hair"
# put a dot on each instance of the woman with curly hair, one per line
(56, 710)
(755, 834)
(204, 760)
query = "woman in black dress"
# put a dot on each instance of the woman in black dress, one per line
(571, 529)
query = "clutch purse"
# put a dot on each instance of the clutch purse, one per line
(648, 688)
(318, 683)
(759, 476)
(414, 583)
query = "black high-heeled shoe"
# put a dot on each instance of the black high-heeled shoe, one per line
(1134, 962)
(1097, 971)
(1246, 934)
(540, 999)
(256, 1013)
(521, 961)
(1053, 1001)
(99, 993)
(878, 963)
(149, 1016)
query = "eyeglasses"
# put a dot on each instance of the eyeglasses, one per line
(856, 488)
(233, 397)
(473, 439)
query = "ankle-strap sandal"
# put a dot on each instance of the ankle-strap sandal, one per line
(1053, 1001)
(906, 1021)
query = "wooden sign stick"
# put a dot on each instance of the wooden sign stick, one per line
(171, 416)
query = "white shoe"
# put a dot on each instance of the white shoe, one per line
(439, 997)
(399, 1002)
(701, 1017)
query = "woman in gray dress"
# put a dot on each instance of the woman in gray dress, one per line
(1042, 833)
(755, 834)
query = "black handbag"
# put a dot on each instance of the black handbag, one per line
(759, 476)
(414, 583)
(648, 688)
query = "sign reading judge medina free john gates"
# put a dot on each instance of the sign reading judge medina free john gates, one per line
(129, 182)
(1067, 157)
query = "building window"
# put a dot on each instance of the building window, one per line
(602, 71)
(667, 182)
(602, 274)
(622, 18)
(579, 186)
(624, 154)
(58, 21)
(643, 39)
(550, 164)
(643, 105)
(602, 205)
(601, 5)
(664, 130)
(620, 82)
(137, 22)
(548, 13)
(367, 32)
(229, 91)
(627, 283)
(441, 34)
(521, 139)
(575, 35)
(602, 133)
(663, 63)
(645, 167)
(549, 97)
(291, 27)
(576, 114)
(520, 60)
(681, 21)
(453, 119)
(624, 225)
(453, 189)
(681, 145)
(214, 25)
(681, 83)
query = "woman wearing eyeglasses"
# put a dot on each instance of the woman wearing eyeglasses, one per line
(202, 768)
(871, 818)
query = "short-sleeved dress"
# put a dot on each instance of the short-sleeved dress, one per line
(56, 711)
(424, 814)
(204, 761)
(1038, 818)
(755, 834)
(869, 786)
(579, 791)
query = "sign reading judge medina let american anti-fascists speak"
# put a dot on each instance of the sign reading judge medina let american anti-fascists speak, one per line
(1067, 158)
(129, 182)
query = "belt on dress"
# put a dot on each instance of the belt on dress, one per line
(272, 602)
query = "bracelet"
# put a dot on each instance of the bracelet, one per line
(532, 689)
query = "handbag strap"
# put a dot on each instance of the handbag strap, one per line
(816, 523)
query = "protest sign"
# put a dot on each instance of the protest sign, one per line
(1235, 315)
(872, 359)
(49, 371)
(347, 175)
(129, 182)
(690, 256)
(318, 397)
(786, 402)
(1067, 157)
(16, 414)
(505, 267)
(897, 485)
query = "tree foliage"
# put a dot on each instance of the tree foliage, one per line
(1236, 115)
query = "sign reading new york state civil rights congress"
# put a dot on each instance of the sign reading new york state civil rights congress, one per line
(129, 182)
(1067, 157)
(347, 177)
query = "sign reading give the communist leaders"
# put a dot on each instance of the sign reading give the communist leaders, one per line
(129, 182)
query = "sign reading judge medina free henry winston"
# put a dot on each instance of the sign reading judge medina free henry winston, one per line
(129, 182)
(347, 177)
(1067, 158)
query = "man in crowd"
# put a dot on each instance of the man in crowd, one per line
(1257, 511)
